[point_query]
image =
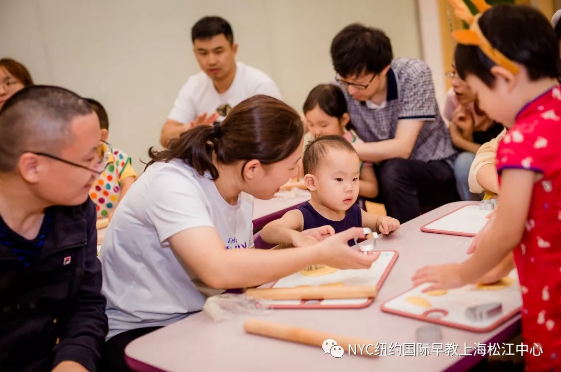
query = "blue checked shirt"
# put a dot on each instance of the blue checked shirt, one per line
(410, 97)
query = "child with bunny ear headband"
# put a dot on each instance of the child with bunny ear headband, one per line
(510, 58)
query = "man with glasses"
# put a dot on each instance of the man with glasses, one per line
(52, 312)
(394, 111)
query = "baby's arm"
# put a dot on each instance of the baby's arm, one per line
(126, 184)
(381, 224)
(488, 178)
(368, 184)
(485, 157)
(285, 230)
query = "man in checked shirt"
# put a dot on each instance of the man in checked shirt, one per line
(393, 109)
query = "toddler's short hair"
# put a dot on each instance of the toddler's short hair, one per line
(319, 147)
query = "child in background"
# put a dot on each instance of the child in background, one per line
(483, 175)
(325, 112)
(510, 58)
(332, 169)
(469, 128)
(112, 185)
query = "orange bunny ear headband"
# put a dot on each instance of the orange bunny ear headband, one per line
(475, 37)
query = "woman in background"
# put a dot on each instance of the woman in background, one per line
(13, 78)
(470, 128)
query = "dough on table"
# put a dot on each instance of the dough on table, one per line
(319, 270)
(303, 286)
(497, 286)
(419, 301)
(331, 285)
(437, 292)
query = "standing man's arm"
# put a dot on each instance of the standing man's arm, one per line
(83, 332)
(418, 106)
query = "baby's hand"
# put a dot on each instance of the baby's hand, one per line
(320, 233)
(387, 224)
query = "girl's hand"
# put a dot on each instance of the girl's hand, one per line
(475, 241)
(335, 251)
(442, 277)
(387, 224)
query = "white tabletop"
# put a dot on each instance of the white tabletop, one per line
(281, 201)
(200, 343)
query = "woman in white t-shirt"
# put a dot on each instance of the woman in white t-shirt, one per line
(188, 218)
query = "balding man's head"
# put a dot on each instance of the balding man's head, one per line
(50, 138)
(37, 118)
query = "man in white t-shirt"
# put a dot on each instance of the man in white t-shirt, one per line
(209, 95)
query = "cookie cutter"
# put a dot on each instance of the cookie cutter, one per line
(369, 244)
(428, 334)
(488, 205)
(484, 312)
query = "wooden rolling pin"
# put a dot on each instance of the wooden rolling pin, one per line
(102, 223)
(308, 336)
(312, 293)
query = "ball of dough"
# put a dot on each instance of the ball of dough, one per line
(497, 286)
(331, 285)
(320, 270)
(437, 292)
(419, 301)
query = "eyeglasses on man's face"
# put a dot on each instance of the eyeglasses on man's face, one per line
(103, 152)
(347, 84)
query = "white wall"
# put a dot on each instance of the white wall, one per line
(432, 46)
(134, 55)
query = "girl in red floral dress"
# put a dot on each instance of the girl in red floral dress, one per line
(510, 58)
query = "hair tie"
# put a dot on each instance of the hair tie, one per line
(216, 130)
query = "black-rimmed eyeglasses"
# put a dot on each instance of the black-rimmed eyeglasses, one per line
(103, 151)
(347, 84)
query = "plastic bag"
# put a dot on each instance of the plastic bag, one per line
(229, 305)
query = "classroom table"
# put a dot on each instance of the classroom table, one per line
(265, 211)
(199, 343)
